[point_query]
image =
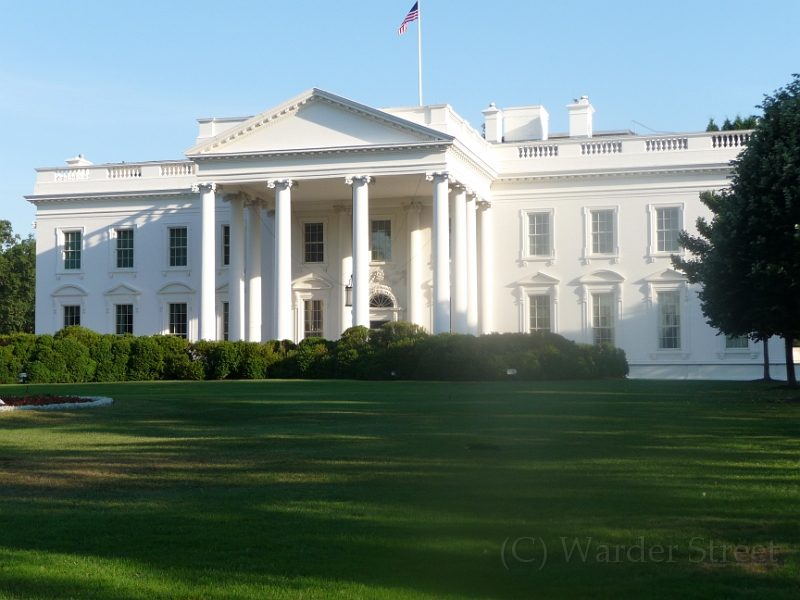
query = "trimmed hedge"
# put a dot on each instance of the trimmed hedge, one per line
(396, 351)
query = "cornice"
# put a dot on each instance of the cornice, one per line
(234, 157)
(466, 157)
(105, 196)
(668, 172)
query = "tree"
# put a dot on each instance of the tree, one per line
(17, 281)
(748, 257)
(738, 123)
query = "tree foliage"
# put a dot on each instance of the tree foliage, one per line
(738, 123)
(17, 281)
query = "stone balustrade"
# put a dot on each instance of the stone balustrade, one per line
(115, 172)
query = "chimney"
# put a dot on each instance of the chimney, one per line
(526, 123)
(580, 118)
(78, 161)
(494, 124)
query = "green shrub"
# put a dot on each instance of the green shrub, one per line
(10, 365)
(145, 361)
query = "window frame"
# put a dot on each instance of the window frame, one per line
(593, 299)
(540, 284)
(117, 305)
(166, 252)
(322, 319)
(525, 254)
(660, 327)
(392, 249)
(531, 303)
(652, 229)
(588, 234)
(186, 323)
(79, 310)
(61, 246)
(221, 262)
(114, 239)
(325, 241)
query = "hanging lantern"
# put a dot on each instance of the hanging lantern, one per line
(348, 292)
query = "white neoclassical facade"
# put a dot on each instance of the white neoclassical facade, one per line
(323, 213)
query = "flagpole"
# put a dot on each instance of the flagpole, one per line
(419, 46)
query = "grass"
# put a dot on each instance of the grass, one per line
(289, 489)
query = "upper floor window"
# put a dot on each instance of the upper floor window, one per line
(602, 231)
(603, 318)
(539, 317)
(72, 249)
(668, 226)
(314, 238)
(226, 245)
(539, 234)
(124, 248)
(382, 240)
(669, 320)
(736, 342)
(178, 247)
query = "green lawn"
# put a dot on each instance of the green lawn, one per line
(333, 489)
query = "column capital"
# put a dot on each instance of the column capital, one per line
(271, 213)
(243, 197)
(483, 204)
(341, 209)
(351, 179)
(415, 206)
(199, 187)
(283, 183)
(430, 176)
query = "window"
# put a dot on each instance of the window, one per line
(381, 301)
(178, 322)
(124, 318)
(736, 342)
(72, 249)
(72, 315)
(539, 313)
(226, 245)
(668, 227)
(178, 247)
(313, 318)
(539, 234)
(603, 232)
(375, 325)
(669, 320)
(603, 318)
(381, 240)
(124, 248)
(226, 320)
(314, 243)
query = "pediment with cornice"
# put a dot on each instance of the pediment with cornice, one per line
(70, 290)
(538, 279)
(122, 289)
(603, 276)
(666, 276)
(314, 120)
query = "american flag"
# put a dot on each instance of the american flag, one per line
(412, 15)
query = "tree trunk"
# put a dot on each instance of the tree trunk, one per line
(767, 376)
(791, 380)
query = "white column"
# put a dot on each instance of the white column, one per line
(414, 300)
(460, 294)
(441, 252)
(283, 259)
(208, 259)
(254, 271)
(361, 248)
(345, 260)
(485, 266)
(472, 266)
(236, 269)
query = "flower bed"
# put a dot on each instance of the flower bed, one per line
(50, 402)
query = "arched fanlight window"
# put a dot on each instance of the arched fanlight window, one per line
(381, 301)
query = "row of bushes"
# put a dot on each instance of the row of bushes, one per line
(397, 351)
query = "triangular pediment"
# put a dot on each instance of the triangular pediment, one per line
(314, 120)
(122, 290)
(665, 275)
(538, 279)
(604, 276)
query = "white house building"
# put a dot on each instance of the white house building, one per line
(273, 222)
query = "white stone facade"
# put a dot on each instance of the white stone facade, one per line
(259, 233)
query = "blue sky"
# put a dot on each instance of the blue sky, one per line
(125, 81)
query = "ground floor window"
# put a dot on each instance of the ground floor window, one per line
(377, 324)
(539, 318)
(313, 318)
(669, 320)
(736, 342)
(124, 318)
(72, 315)
(226, 320)
(603, 318)
(178, 320)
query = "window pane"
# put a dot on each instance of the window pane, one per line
(72, 249)
(315, 245)
(539, 313)
(226, 244)
(736, 341)
(124, 314)
(603, 232)
(226, 320)
(667, 229)
(124, 248)
(313, 318)
(603, 318)
(381, 240)
(72, 315)
(669, 320)
(178, 322)
(539, 234)
(178, 247)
